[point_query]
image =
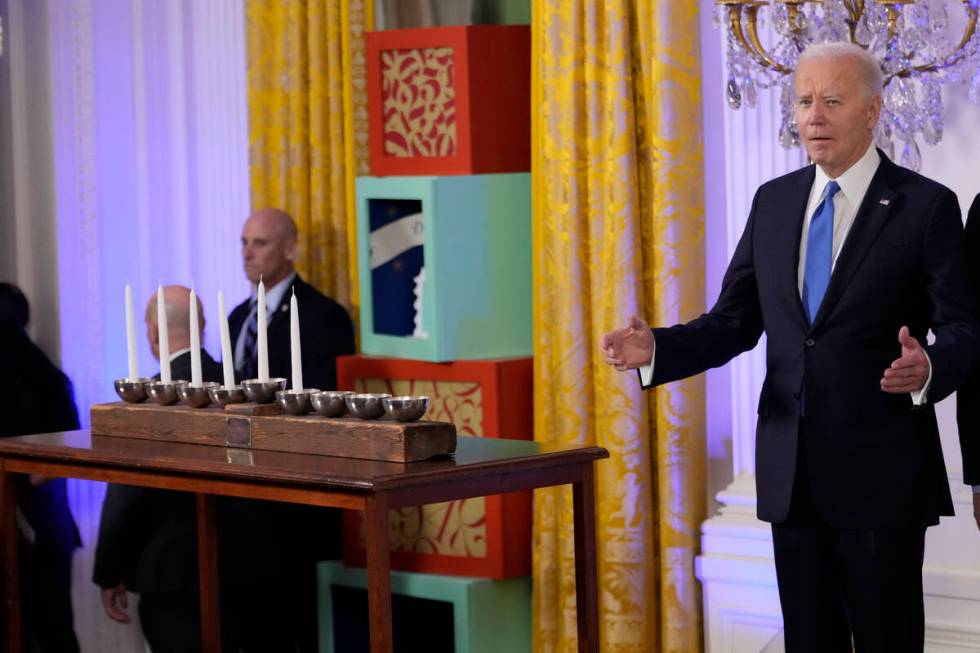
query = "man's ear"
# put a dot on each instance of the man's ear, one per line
(874, 111)
(290, 250)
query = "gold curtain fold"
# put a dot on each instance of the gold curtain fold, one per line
(308, 127)
(618, 229)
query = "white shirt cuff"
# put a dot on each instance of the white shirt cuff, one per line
(646, 371)
(919, 397)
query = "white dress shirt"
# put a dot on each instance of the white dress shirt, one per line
(854, 183)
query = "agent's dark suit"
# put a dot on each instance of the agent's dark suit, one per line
(305, 534)
(968, 397)
(828, 438)
(148, 541)
(325, 331)
(37, 398)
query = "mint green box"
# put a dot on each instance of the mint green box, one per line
(476, 243)
(489, 616)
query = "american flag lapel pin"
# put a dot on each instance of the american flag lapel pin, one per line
(884, 201)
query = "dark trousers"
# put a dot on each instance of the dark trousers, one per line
(835, 585)
(171, 621)
(45, 590)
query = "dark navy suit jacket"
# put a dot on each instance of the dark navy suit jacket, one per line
(325, 332)
(968, 397)
(872, 460)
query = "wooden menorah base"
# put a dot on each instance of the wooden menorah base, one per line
(265, 427)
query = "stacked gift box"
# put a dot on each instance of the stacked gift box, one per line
(444, 233)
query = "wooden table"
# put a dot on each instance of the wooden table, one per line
(481, 466)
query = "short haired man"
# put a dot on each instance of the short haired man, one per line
(845, 265)
(326, 331)
(305, 534)
(147, 537)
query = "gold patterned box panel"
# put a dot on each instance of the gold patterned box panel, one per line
(419, 102)
(454, 528)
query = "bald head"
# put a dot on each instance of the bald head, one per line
(268, 246)
(177, 302)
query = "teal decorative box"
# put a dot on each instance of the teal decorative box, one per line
(445, 266)
(487, 616)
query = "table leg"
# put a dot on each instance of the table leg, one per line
(586, 569)
(379, 574)
(11, 579)
(207, 560)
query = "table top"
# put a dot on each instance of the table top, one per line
(474, 457)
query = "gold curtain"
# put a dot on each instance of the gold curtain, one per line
(618, 228)
(308, 127)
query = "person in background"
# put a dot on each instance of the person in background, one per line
(306, 534)
(968, 397)
(36, 397)
(148, 537)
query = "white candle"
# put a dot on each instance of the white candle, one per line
(263, 345)
(227, 363)
(164, 345)
(294, 345)
(195, 327)
(131, 335)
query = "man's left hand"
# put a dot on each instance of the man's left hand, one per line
(976, 508)
(909, 372)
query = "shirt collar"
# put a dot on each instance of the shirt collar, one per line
(177, 354)
(856, 179)
(273, 295)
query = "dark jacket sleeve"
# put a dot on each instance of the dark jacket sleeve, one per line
(117, 545)
(952, 314)
(968, 397)
(732, 326)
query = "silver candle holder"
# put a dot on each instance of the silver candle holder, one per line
(263, 392)
(223, 395)
(196, 396)
(296, 402)
(162, 393)
(132, 391)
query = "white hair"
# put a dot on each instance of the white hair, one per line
(868, 69)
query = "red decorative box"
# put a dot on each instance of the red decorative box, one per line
(486, 536)
(449, 100)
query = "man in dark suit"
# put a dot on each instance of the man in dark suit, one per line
(968, 397)
(845, 265)
(326, 331)
(36, 397)
(305, 534)
(148, 537)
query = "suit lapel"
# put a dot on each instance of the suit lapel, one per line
(870, 218)
(789, 242)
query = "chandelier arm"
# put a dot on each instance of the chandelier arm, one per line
(751, 45)
(764, 59)
(958, 54)
(855, 9)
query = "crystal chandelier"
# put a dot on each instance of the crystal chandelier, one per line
(909, 38)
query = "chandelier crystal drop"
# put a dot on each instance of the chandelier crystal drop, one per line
(921, 45)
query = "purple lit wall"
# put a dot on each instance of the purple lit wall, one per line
(151, 144)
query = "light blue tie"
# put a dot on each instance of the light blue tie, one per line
(819, 253)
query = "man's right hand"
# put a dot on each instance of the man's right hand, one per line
(630, 347)
(115, 602)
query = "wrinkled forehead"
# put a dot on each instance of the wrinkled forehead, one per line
(827, 75)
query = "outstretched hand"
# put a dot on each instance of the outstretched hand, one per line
(976, 508)
(909, 372)
(629, 347)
